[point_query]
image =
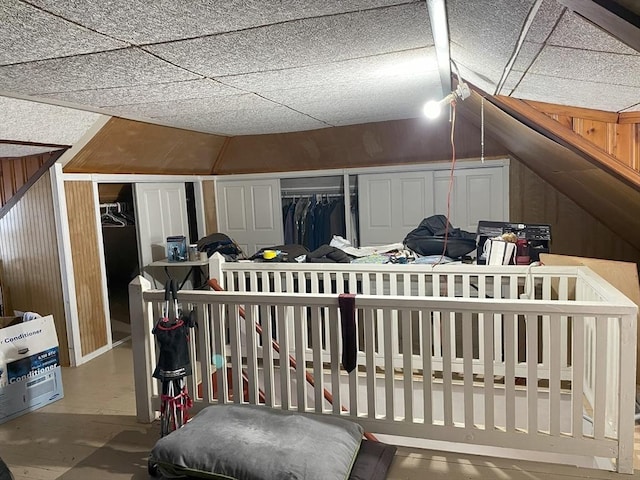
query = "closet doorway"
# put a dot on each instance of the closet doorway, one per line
(117, 216)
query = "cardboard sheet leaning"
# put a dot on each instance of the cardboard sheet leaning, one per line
(31, 376)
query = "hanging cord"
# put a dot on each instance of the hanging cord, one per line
(482, 129)
(453, 166)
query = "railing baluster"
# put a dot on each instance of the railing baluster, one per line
(599, 408)
(407, 356)
(554, 376)
(316, 336)
(267, 354)
(467, 354)
(284, 323)
(531, 322)
(489, 390)
(509, 322)
(369, 350)
(447, 396)
(427, 367)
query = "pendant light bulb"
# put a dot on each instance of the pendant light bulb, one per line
(432, 109)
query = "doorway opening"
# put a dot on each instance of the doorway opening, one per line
(119, 234)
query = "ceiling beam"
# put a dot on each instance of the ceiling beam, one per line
(33, 144)
(440, 31)
(610, 16)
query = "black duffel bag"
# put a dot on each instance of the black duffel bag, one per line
(428, 238)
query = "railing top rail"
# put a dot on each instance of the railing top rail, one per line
(458, 269)
(602, 287)
(459, 304)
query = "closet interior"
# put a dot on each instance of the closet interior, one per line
(117, 216)
(314, 209)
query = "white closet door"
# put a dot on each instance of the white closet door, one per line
(477, 194)
(392, 204)
(250, 212)
(161, 211)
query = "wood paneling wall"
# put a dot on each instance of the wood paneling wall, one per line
(385, 143)
(86, 265)
(574, 231)
(211, 219)
(29, 255)
(15, 172)
(616, 134)
(126, 146)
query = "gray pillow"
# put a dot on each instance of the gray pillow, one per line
(248, 442)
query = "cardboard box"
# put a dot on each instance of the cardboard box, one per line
(31, 376)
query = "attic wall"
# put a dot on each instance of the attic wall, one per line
(385, 143)
(87, 274)
(15, 172)
(574, 231)
(616, 134)
(31, 278)
(127, 146)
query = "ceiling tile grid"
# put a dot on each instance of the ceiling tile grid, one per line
(116, 68)
(157, 92)
(483, 34)
(305, 42)
(577, 93)
(30, 34)
(397, 67)
(143, 22)
(575, 32)
(569, 63)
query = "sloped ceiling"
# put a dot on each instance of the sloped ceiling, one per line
(246, 67)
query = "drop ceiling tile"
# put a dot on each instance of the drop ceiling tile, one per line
(544, 21)
(143, 22)
(107, 97)
(303, 42)
(197, 108)
(368, 101)
(27, 121)
(483, 34)
(30, 34)
(577, 93)
(14, 151)
(117, 68)
(575, 32)
(398, 66)
(605, 68)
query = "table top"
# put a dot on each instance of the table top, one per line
(166, 263)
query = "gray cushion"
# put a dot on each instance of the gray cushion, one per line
(248, 442)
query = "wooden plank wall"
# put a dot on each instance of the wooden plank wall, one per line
(127, 146)
(86, 265)
(211, 219)
(31, 278)
(15, 172)
(397, 142)
(616, 134)
(574, 231)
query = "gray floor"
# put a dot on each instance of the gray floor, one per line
(92, 434)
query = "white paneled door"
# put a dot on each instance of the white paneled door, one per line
(393, 204)
(250, 212)
(161, 211)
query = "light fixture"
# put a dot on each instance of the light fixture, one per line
(433, 108)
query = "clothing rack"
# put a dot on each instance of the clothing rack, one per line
(294, 195)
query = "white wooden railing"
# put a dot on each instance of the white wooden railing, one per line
(465, 361)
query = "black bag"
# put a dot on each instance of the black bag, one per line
(428, 238)
(172, 336)
(221, 243)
